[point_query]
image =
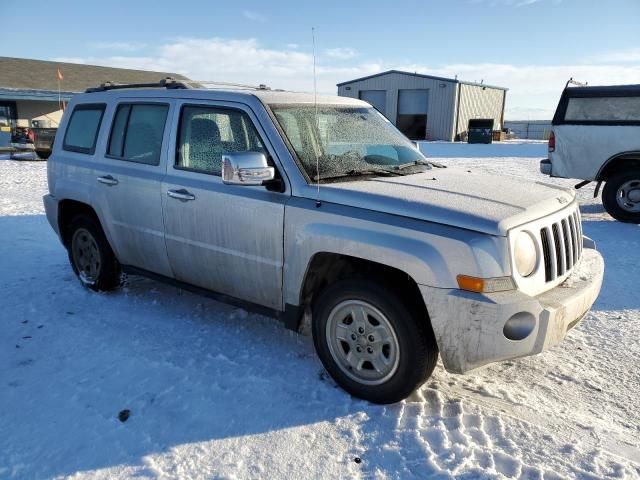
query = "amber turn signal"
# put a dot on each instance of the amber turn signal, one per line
(485, 285)
(472, 284)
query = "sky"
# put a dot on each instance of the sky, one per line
(531, 47)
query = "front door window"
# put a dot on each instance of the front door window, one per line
(207, 133)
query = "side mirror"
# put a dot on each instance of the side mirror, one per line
(246, 168)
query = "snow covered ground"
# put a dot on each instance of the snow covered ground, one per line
(215, 392)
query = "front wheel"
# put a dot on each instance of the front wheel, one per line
(373, 344)
(621, 196)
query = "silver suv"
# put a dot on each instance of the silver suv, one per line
(319, 209)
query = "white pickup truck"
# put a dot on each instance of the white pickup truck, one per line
(596, 137)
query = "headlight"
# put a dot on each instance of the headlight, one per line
(525, 254)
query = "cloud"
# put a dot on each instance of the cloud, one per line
(254, 16)
(122, 46)
(533, 93)
(341, 53)
(629, 55)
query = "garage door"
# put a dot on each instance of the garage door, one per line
(377, 98)
(413, 106)
(413, 102)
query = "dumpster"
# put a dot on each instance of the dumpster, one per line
(480, 130)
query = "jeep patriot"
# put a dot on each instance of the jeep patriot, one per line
(319, 208)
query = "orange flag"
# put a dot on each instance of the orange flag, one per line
(60, 76)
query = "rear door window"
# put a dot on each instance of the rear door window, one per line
(82, 131)
(137, 133)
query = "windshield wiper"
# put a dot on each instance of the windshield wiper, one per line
(382, 172)
(420, 162)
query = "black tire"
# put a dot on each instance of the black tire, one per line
(108, 276)
(418, 350)
(43, 154)
(610, 194)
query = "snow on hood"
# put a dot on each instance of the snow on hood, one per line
(475, 201)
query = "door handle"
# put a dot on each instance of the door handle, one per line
(108, 180)
(181, 194)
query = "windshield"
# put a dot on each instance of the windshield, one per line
(346, 141)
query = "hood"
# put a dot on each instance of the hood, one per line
(482, 202)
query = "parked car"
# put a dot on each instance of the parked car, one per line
(596, 137)
(22, 136)
(325, 211)
(32, 143)
(22, 147)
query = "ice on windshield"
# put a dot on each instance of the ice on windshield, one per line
(343, 139)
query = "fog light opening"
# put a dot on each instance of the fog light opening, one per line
(519, 326)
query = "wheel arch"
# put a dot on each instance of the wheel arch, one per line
(68, 209)
(325, 268)
(618, 162)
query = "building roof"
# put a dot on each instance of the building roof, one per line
(14, 94)
(40, 75)
(421, 75)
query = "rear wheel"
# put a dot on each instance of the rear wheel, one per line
(621, 196)
(373, 344)
(90, 255)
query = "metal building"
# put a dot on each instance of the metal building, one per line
(425, 107)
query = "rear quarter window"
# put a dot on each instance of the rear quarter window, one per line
(83, 127)
(603, 109)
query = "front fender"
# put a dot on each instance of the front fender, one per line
(431, 254)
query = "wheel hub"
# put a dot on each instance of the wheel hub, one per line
(363, 342)
(634, 195)
(628, 196)
(86, 256)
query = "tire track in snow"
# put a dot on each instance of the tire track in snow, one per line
(448, 432)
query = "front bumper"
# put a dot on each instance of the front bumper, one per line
(470, 327)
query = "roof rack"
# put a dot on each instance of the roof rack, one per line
(168, 82)
(571, 81)
(262, 86)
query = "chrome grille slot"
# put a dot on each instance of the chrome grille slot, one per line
(579, 231)
(568, 244)
(574, 239)
(546, 249)
(561, 246)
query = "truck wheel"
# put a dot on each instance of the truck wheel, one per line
(90, 255)
(621, 196)
(373, 345)
(43, 154)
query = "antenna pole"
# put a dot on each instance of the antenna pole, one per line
(315, 106)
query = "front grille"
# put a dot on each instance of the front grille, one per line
(561, 245)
